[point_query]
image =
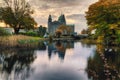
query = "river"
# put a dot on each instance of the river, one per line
(61, 60)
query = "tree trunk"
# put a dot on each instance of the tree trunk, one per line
(16, 30)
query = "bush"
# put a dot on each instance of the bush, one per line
(31, 33)
(3, 32)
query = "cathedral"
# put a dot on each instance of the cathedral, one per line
(54, 25)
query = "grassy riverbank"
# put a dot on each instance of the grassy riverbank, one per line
(101, 41)
(89, 41)
(19, 41)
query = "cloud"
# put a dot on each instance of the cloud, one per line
(74, 11)
(60, 3)
(45, 6)
(57, 3)
(77, 17)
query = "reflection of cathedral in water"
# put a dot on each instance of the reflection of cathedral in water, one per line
(59, 48)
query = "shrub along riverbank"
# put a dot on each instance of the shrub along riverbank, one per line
(19, 41)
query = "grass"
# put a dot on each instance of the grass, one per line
(19, 41)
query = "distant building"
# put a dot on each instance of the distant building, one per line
(53, 25)
(9, 30)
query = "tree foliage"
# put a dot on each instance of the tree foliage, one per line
(17, 14)
(104, 16)
(84, 31)
(104, 11)
(42, 30)
(58, 33)
(65, 29)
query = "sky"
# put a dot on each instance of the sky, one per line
(74, 11)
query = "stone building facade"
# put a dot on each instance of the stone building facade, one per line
(53, 25)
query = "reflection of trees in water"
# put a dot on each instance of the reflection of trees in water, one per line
(105, 65)
(16, 63)
(41, 46)
(59, 47)
(88, 45)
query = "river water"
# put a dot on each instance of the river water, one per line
(61, 60)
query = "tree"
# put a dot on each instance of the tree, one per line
(58, 33)
(65, 29)
(104, 16)
(42, 30)
(103, 11)
(84, 31)
(17, 14)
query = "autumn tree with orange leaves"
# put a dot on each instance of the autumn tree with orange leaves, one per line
(104, 16)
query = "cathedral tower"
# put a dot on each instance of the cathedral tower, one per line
(49, 22)
(49, 19)
(62, 19)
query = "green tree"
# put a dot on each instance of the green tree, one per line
(104, 16)
(42, 30)
(17, 14)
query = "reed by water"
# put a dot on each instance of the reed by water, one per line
(19, 41)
